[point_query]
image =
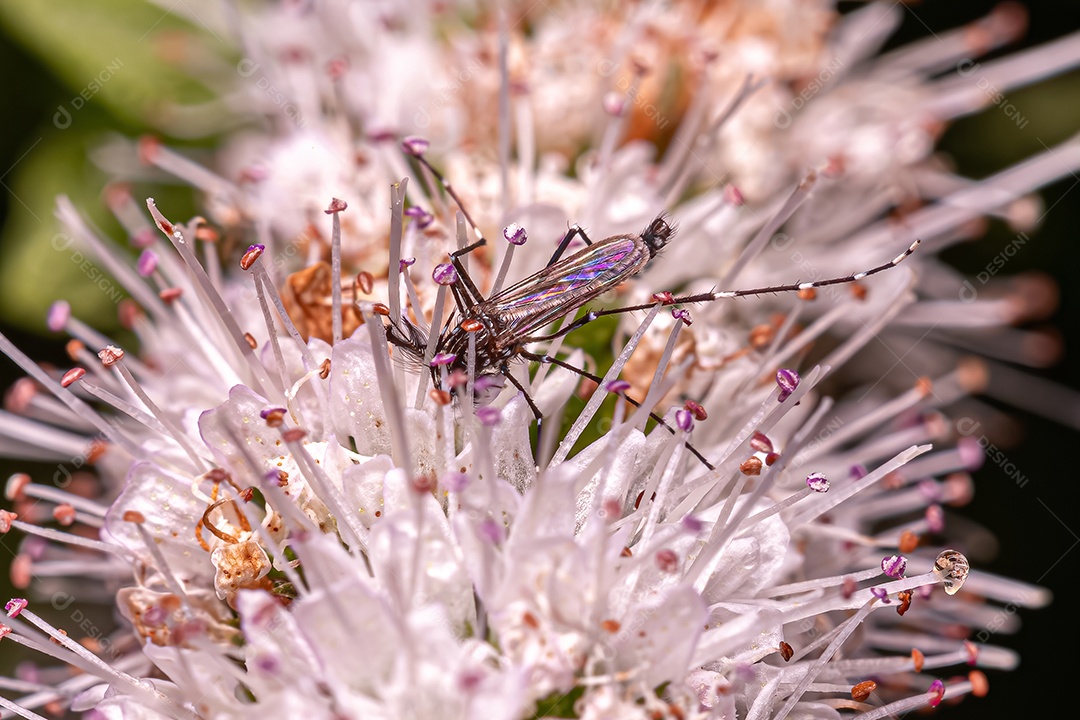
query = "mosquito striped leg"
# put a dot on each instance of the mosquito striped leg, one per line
(565, 243)
(598, 380)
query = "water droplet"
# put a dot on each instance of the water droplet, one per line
(953, 568)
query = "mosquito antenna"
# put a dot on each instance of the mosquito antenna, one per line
(669, 299)
(415, 147)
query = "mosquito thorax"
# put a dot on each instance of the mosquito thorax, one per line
(657, 235)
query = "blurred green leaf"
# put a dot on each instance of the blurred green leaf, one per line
(38, 264)
(107, 51)
(33, 271)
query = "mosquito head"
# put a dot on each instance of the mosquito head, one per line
(658, 233)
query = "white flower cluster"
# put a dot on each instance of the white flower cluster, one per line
(296, 521)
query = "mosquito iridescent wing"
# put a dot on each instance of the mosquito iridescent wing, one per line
(564, 287)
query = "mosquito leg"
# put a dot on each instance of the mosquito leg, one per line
(466, 279)
(528, 398)
(532, 406)
(598, 380)
(582, 321)
(565, 243)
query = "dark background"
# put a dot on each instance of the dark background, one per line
(1037, 525)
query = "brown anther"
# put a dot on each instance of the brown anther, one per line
(216, 475)
(529, 619)
(275, 418)
(973, 375)
(253, 253)
(95, 450)
(337, 68)
(15, 486)
(858, 291)
(626, 552)
(64, 514)
(761, 336)
(247, 494)
(324, 369)
(696, 410)
(282, 478)
(251, 341)
(924, 386)
(760, 442)
(380, 309)
(667, 560)
(128, 312)
(22, 570)
(980, 686)
(424, 484)
(786, 651)
(908, 542)
(847, 588)
(771, 458)
(294, 435)
(365, 281)
(441, 397)
(862, 691)
(170, 603)
(111, 355)
(336, 206)
(972, 651)
(917, 658)
(665, 298)
(56, 641)
(807, 294)
(134, 516)
(170, 295)
(905, 601)
(207, 234)
(640, 497)
(6, 518)
(892, 481)
(148, 148)
(751, 466)
(611, 626)
(19, 396)
(834, 166)
(471, 325)
(74, 348)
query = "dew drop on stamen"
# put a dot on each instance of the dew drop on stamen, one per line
(953, 568)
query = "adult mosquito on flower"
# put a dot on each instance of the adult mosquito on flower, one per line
(485, 334)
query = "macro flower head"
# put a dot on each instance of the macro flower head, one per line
(404, 428)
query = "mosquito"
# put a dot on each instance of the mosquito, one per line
(501, 327)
